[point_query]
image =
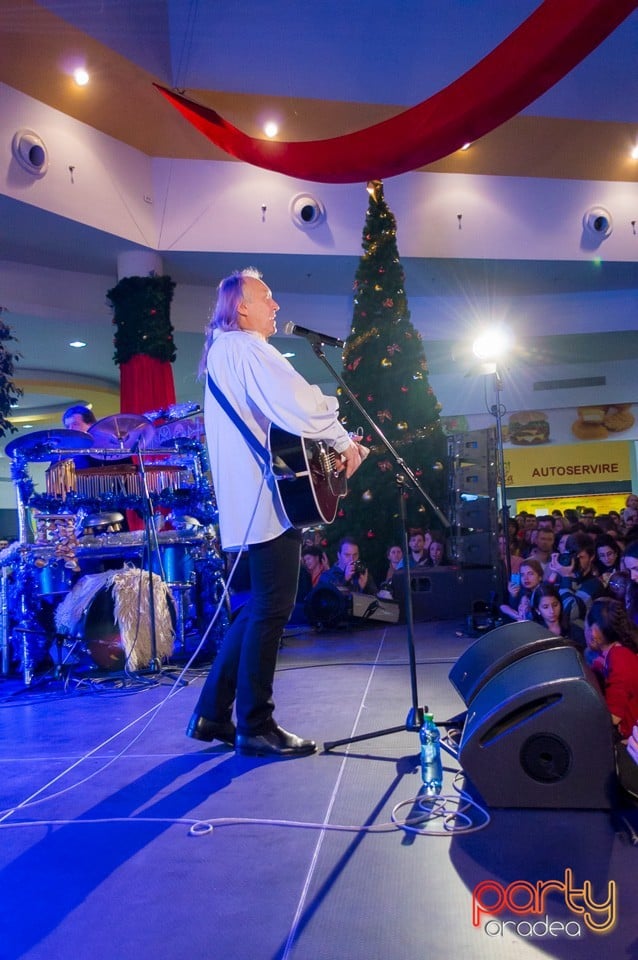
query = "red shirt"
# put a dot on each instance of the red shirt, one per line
(621, 686)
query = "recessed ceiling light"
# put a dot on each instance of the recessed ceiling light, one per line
(80, 76)
(77, 343)
(288, 355)
(466, 146)
(271, 129)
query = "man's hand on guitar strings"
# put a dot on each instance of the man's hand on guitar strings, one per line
(358, 437)
(352, 457)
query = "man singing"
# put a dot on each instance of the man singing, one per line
(249, 386)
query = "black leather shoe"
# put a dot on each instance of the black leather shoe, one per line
(199, 728)
(276, 742)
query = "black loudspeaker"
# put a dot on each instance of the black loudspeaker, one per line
(539, 734)
(327, 606)
(474, 513)
(443, 593)
(475, 446)
(367, 607)
(473, 478)
(476, 549)
(495, 650)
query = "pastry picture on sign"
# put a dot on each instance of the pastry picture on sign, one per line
(528, 428)
(598, 421)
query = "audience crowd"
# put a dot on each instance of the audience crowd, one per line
(573, 571)
(576, 573)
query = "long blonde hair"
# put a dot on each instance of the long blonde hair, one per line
(230, 293)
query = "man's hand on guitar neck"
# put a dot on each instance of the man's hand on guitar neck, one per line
(353, 456)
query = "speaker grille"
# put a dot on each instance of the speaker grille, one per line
(546, 758)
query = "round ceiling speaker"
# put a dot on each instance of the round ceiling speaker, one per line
(598, 221)
(307, 211)
(31, 153)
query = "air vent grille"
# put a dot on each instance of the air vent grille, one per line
(576, 384)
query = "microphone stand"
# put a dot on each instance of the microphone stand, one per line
(151, 544)
(414, 720)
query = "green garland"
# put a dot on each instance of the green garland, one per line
(141, 313)
(9, 393)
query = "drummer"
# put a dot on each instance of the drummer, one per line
(79, 418)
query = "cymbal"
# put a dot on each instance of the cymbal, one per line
(123, 433)
(38, 446)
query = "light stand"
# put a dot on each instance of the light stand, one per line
(497, 411)
(414, 720)
(489, 346)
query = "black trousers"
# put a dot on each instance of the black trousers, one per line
(244, 668)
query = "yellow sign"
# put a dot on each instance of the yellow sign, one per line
(601, 503)
(586, 463)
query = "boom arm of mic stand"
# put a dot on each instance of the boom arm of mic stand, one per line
(398, 459)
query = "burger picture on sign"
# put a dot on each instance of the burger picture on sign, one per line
(528, 428)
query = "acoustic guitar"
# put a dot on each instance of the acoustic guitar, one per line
(309, 484)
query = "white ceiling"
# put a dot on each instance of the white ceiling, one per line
(354, 50)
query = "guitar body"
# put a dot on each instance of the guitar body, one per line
(309, 486)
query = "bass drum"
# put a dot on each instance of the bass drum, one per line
(101, 634)
(126, 646)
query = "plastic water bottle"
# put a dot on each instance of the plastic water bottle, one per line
(431, 766)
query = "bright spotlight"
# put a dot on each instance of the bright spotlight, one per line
(80, 76)
(492, 343)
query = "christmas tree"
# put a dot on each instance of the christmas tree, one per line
(9, 392)
(386, 369)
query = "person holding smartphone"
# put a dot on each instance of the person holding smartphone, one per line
(520, 589)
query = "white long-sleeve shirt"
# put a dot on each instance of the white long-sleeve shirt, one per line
(264, 388)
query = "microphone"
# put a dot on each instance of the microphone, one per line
(314, 337)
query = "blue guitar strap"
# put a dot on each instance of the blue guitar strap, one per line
(258, 448)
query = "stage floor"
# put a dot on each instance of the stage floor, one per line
(129, 839)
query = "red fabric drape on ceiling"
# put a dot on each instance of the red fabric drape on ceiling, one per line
(545, 47)
(146, 384)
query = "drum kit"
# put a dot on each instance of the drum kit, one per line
(132, 496)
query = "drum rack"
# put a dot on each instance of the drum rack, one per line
(89, 477)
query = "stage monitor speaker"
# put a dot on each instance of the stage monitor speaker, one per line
(539, 734)
(495, 650)
(327, 606)
(475, 514)
(367, 607)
